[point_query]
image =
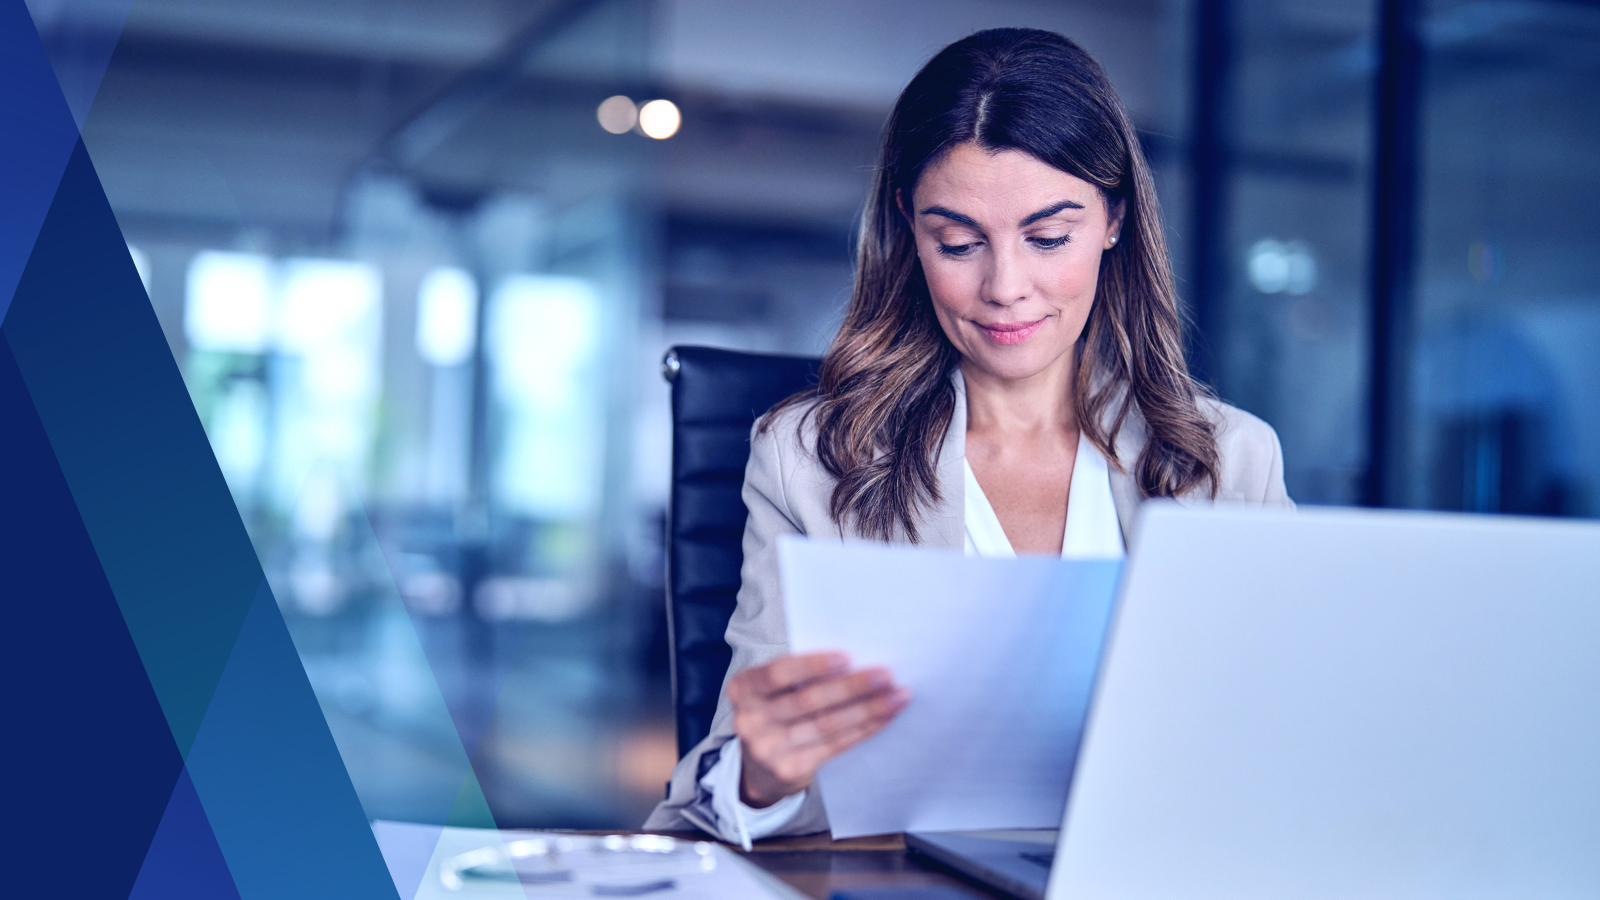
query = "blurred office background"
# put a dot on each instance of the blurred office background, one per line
(419, 272)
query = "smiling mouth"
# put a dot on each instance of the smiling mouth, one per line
(1010, 333)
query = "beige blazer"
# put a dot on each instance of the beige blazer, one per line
(788, 491)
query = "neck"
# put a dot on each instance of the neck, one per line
(1042, 402)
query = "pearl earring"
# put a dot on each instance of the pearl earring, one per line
(1113, 240)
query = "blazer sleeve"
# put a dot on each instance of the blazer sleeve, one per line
(1250, 458)
(757, 633)
(1276, 493)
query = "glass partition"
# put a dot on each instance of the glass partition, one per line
(1507, 361)
(1292, 346)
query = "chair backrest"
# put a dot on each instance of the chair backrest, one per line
(716, 397)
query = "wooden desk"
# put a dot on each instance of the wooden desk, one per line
(816, 865)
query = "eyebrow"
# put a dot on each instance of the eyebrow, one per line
(949, 214)
(1045, 213)
(1049, 211)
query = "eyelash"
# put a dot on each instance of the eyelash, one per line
(959, 250)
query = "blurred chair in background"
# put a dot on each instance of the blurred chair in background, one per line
(716, 397)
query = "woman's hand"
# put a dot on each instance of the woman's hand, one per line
(797, 712)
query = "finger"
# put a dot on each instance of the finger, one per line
(797, 764)
(826, 693)
(752, 725)
(824, 727)
(811, 757)
(749, 687)
(755, 713)
(790, 672)
(785, 673)
(764, 723)
(742, 688)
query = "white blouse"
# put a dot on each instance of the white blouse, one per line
(1092, 533)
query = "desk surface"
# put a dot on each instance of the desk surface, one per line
(817, 866)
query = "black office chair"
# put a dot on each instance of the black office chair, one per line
(716, 397)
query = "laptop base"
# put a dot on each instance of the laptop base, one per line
(1014, 861)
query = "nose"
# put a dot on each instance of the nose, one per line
(1008, 279)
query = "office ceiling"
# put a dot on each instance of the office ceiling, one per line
(258, 114)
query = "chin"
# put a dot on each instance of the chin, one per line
(1014, 363)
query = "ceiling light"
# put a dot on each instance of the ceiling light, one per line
(617, 114)
(659, 119)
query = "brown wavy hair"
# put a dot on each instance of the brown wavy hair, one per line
(884, 400)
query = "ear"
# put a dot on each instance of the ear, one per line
(1116, 214)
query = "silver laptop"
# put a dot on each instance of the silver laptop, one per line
(1333, 704)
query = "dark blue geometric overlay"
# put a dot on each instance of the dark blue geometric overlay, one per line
(91, 754)
(165, 739)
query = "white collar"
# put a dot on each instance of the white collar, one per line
(1093, 531)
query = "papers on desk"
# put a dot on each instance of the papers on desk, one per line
(421, 859)
(1000, 656)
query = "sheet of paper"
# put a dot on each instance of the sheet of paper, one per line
(1000, 656)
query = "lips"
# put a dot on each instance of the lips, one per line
(1010, 332)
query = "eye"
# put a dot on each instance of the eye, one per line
(957, 249)
(1050, 243)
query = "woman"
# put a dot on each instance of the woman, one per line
(1009, 378)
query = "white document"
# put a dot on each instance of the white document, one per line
(417, 855)
(1000, 656)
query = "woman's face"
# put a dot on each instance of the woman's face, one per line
(1011, 250)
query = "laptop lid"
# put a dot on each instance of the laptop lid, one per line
(1344, 703)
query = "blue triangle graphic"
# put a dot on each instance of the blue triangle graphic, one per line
(184, 859)
(79, 39)
(39, 137)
